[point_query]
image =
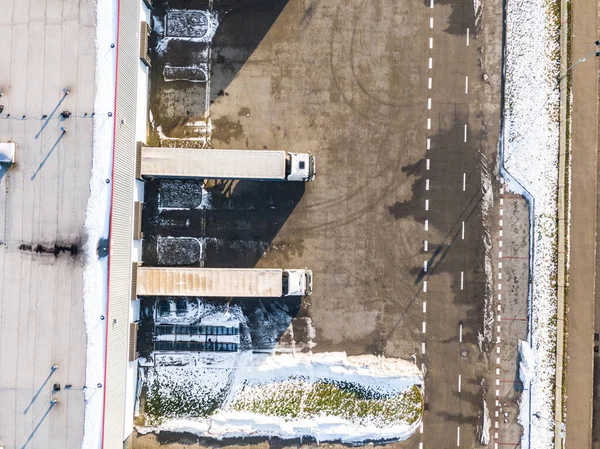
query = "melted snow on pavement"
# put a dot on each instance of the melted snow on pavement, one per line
(531, 156)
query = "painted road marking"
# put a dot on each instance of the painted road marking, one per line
(466, 84)
(430, 43)
(459, 382)
(429, 103)
(426, 225)
(497, 371)
(421, 444)
(423, 348)
(428, 143)
(501, 223)
(458, 436)
(465, 133)
(427, 161)
(431, 22)
(499, 297)
(425, 265)
(463, 231)
(426, 204)
(499, 319)
(431, 4)
(429, 83)
(427, 184)
(425, 245)
(424, 306)
(467, 37)
(424, 327)
(500, 243)
(500, 233)
(499, 265)
(462, 279)
(460, 333)
(497, 360)
(430, 63)
(424, 286)
(464, 182)
(428, 123)
(421, 427)
(499, 276)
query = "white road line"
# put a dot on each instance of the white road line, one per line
(458, 436)
(426, 204)
(424, 286)
(501, 223)
(466, 84)
(497, 371)
(500, 243)
(460, 333)
(430, 82)
(459, 382)
(500, 254)
(499, 265)
(500, 233)
(423, 348)
(425, 245)
(499, 297)
(428, 143)
(497, 360)
(424, 306)
(501, 212)
(425, 266)
(467, 37)
(427, 184)
(465, 133)
(430, 63)
(421, 444)
(430, 43)
(429, 124)
(429, 103)
(464, 182)
(462, 233)
(499, 319)
(431, 4)
(501, 201)
(497, 328)
(424, 327)
(462, 280)
(499, 276)
(426, 225)
(421, 427)
(431, 22)
(427, 164)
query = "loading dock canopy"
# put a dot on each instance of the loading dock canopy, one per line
(212, 164)
(209, 282)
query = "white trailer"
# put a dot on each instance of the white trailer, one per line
(266, 165)
(222, 282)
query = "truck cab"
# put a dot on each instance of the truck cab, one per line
(297, 282)
(300, 167)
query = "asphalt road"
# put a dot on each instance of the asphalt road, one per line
(389, 98)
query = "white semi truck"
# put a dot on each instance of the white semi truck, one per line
(265, 165)
(222, 282)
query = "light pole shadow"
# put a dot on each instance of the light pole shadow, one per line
(62, 134)
(52, 369)
(53, 402)
(65, 93)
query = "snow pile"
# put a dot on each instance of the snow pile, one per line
(526, 364)
(186, 25)
(97, 220)
(487, 205)
(288, 396)
(530, 153)
(486, 425)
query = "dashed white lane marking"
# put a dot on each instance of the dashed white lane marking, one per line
(430, 43)
(500, 233)
(500, 243)
(466, 84)
(497, 371)
(499, 276)
(424, 327)
(424, 306)
(421, 427)
(427, 184)
(429, 103)
(431, 22)
(501, 201)
(462, 232)
(431, 3)
(424, 286)
(495, 445)
(430, 63)
(423, 348)
(499, 286)
(497, 360)
(497, 349)
(499, 265)
(429, 83)
(421, 444)
(499, 297)
(501, 223)
(501, 212)
(426, 225)
(462, 280)
(427, 164)
(465, 133)
(425, 266)
(458, 436)
(499, 319)
(428, 143)
(428, 123)
(426, 204)
(467, 37)
(460, 333)
(464, 182)
(459, 382)
(425, 245)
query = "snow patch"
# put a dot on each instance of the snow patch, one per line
(486, 425)
(97, 221)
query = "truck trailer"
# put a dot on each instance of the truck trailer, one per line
(222, 282)
(264, 165)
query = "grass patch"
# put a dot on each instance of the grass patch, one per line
(301, 398)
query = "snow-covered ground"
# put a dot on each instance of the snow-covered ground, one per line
(247, 394)
(530, 153)
(95, 274)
